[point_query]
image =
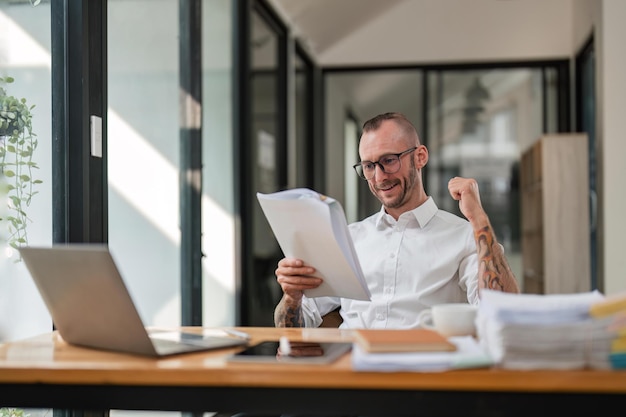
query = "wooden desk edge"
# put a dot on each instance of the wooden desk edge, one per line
(67, 364)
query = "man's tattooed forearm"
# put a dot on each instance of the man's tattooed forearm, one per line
(291, 317)
(490, 262)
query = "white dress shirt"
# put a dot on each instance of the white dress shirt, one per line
(426, 257)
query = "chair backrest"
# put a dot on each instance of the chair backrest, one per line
(332, 319)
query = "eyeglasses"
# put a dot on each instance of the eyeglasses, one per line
(388, 164)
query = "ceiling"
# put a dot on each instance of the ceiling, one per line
(324, 26)
(366, 32)
(340, 34)
(320, 24)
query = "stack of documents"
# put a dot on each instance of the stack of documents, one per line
(613, 309)
(531, 331)
(468, 354)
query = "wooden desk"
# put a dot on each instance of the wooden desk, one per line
(45, 372)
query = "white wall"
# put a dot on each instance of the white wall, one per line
(604, 19)
(335, 112)
(611, 86)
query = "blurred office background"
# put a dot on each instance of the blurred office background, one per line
(206, 102)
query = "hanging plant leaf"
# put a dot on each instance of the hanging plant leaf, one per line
(17, 146)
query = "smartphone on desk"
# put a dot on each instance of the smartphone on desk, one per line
(269, 351)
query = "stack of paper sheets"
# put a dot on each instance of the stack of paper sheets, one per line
(468, 354)
(531, 331)
(613, 309)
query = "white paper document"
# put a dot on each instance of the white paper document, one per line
(312, 227)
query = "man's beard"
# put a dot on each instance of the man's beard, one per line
(401, 199)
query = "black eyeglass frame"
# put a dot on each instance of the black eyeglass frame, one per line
(358, 167)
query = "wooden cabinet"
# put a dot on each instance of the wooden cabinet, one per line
(555, 215)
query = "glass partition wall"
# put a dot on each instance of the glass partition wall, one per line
(143, 154)
(268, 147)
(479, 122)
(475, 123)
(146, 127)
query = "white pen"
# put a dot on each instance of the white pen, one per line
(237, 333)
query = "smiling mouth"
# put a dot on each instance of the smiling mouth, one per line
(385, 187)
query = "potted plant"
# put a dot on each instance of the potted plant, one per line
(18, 142)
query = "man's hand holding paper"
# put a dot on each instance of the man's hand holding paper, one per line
(312, 228)
(295, 277)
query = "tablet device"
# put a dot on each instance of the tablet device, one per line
(300, 352)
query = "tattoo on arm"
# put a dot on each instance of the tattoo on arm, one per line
(289, 316)
(493, 268)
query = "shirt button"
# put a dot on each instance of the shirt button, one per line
(393, 255)
(380, 316)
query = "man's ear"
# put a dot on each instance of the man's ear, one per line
(421, 156)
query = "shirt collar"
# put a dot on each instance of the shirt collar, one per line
(422, 214)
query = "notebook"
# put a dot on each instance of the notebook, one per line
(90, 304)
(402, 340)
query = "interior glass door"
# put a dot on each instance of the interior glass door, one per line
(479, 122)
(269, 167)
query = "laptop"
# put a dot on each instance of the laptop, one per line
(90, 304)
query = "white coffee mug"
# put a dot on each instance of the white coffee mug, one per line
(451, 319)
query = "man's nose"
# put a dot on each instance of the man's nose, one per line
(379, 166)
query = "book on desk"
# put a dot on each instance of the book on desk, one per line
(408, 340)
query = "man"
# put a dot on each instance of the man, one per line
(412, 254)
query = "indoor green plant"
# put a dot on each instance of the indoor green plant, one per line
(17, 145)
(13, 412)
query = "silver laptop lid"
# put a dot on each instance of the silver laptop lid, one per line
(87, 298)
(91, 306)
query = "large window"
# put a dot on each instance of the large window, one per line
(218, 155)
(143, 153)
(144, 136)
(267, 143)
(25, 56)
